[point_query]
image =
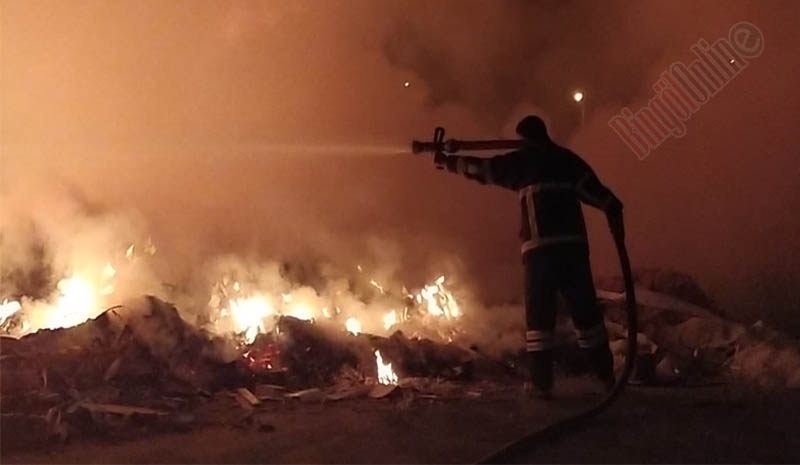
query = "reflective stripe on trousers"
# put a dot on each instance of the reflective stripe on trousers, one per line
(537, 341)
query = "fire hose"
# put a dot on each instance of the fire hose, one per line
(513, 450)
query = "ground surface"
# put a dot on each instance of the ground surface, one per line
(718, 424)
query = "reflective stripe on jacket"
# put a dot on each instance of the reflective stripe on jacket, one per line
(551, 182)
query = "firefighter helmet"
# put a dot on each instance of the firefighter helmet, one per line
(532, 127)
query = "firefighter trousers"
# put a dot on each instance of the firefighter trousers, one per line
(564, 269)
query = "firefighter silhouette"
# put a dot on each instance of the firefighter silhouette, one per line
(552, 181)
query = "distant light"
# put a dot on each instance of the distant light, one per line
(577, 96)
(407, 84)
(731, 61)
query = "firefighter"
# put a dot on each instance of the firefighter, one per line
(552, 181)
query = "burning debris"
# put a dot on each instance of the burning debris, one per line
(249, 300)
(142, 360)
(79, 361)
(75, 362)
(385, 373)
(81, 293)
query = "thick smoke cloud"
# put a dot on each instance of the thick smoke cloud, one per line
(186, 112)
(715, 203)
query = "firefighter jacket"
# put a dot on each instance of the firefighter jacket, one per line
(551, 183)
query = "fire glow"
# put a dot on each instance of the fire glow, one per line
(246, 299)
(78, 298)
(440, 301)
(353, 326)
(386, 374)
(7, 309)
(83, 293)
(249, 314)
(389, 320)
(76, 303)
(249, 301)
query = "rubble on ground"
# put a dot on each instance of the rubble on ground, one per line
(683, 342)
(140, 368)
(663, 281)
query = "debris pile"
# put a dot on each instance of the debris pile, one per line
(682, 342)
(140, 367)
(663, 281)
(134, 363)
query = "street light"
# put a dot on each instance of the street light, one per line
(578, 96)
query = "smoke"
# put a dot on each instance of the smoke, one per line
(177, 118)
(714, 203)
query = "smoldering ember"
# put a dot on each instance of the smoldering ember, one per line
(286, 232)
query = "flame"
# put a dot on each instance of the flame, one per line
(7, 309)
(301, 312)
(377, 286)
(242, 306)
(385, 373)
(242, 309)
(149, 248)
(76, 304)
(79, 296)
(109, 271)
(439, 301)
(353, 325)
(389, 320)
(248, 314)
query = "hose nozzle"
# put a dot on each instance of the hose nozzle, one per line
(437, 145)
(453, 145)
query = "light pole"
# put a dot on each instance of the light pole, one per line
(578, 96)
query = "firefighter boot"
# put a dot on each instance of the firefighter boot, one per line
(603, 365)
(541, 365)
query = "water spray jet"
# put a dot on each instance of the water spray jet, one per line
(335, 149)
